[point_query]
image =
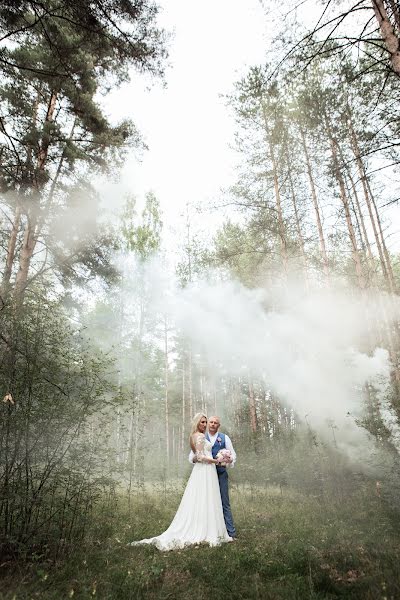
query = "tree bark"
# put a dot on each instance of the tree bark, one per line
(298, 226)
(252, 409)
(321, 236)
(31, 229)
(12, 242)
(345, 202)
(27, 250)
(190, 382)
(392, 283)
(361, 217)
(364, 181)
(183, 405)
(166, 383)
(278, 200)
(389, 36)
(396, 13)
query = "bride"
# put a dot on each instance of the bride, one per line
(199, 517)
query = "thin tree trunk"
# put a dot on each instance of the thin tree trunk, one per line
(298, 227)
(252, 409)
(136, 438)
(12, 242)
(383, 242)
(345, 202)
(357, 210)
(364, 181)
(361, 217)
(321, 236)
(278, 200)
(281, 224)
(202, 395)
(27, 250)
(183, 404)
(17, 217)
(166, 383)
(190, 382)
(54, 182)
(42, 155)
(31, 230)
(354, 212)
(132, 454)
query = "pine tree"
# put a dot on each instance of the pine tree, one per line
(53, 131)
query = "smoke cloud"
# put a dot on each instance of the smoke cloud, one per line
(313, 350)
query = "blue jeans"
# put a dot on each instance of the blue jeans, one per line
(226, 507)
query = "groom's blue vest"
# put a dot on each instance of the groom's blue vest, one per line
(218, 445)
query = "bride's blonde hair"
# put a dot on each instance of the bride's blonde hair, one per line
(195, 422)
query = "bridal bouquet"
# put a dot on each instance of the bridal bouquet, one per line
(224, 457)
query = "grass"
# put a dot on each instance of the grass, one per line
(290, 546)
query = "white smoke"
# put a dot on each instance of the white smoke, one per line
(313, 350)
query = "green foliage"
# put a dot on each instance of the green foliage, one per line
(59, 57)
(64, 53)
(142, 238)
(51, 458)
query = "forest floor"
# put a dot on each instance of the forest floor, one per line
(289, 546)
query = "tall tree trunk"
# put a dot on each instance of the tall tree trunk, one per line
(358, 213)
(53, 187)
(202, 394)
(166, 383)
(31, 229)
(383, 255)
(298, 226)
(345, 202)
(12, 242)
(361, 217)
(183, 405)
(27, 250)
(132, 452)
(252, 408)
(5, 288)
(190, 382)
(278, 200)
(364, 181)
(383, 242)
(354, 213)
(389, 36)
(321, 236)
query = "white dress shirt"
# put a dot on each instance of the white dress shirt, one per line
(228, 446)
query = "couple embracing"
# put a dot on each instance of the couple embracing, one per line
(204, 514)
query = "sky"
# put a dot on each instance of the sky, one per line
(186, 124)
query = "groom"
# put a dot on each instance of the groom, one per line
(220, 441)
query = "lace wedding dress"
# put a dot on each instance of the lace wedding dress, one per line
(199, 517)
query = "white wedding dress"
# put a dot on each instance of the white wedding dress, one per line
(199, 517)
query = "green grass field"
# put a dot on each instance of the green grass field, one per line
(289, 546)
